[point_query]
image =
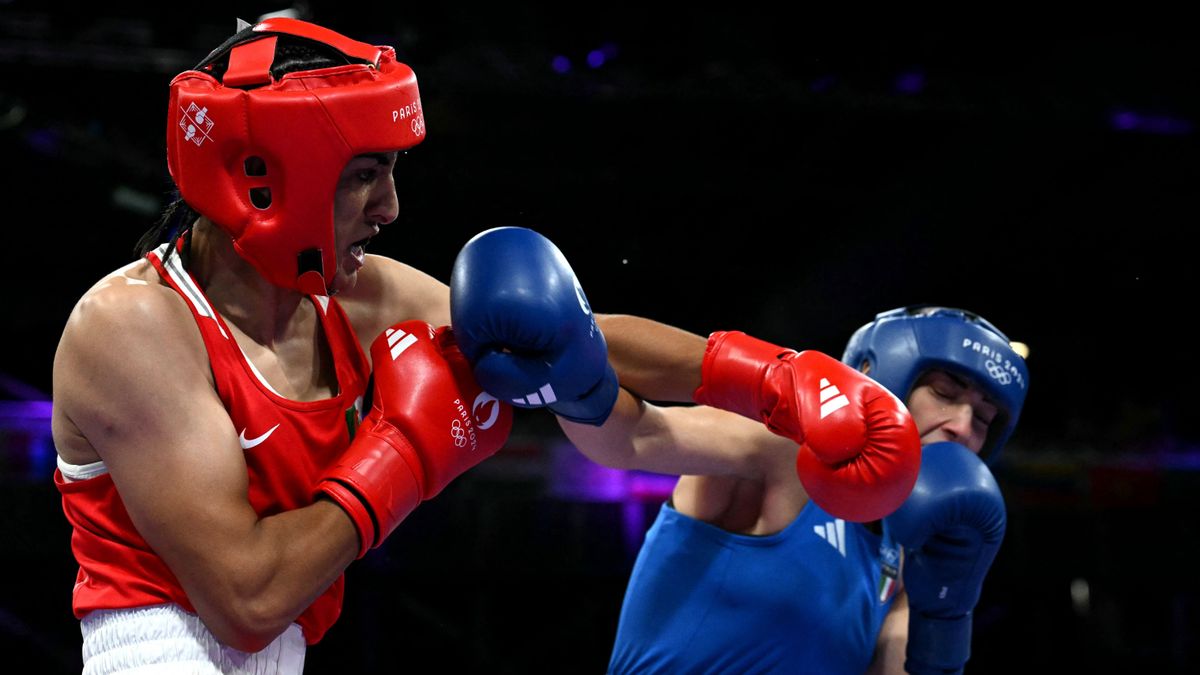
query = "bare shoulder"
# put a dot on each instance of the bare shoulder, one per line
(129, 305)
(124, 333)
(759, 492)
(388, 291)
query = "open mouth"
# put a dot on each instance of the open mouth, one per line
(358, 250)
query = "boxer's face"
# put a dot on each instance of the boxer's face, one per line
(365, 199)
(947, 407)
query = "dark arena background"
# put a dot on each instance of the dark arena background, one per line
(711, 169)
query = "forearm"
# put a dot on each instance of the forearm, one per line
(893, 638)
(679, 440)
(655, 361)
(613, 443)
(271, 573)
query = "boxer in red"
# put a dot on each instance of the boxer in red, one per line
(213, 457)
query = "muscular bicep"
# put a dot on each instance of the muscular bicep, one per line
(133, 379)
(692, 440)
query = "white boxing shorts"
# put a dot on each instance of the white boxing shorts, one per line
(165, 639)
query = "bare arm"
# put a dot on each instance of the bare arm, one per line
(131, 375)
(655, 361)
(389, 291)
(893, 639)
(693, 440)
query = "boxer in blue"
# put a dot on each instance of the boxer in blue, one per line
(744, 570)
(743, 573)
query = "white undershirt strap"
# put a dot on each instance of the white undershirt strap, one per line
(78, 472)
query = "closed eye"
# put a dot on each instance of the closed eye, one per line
(945, 392)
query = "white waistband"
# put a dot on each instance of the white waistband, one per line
(167, 639)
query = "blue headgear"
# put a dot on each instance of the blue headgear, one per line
(902, 344)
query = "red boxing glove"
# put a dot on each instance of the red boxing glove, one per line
(429, 422)
(860, 451)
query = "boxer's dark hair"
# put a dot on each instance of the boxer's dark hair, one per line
(175, 221)
(292, 53)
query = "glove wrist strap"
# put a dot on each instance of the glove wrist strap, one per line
(596, 405)
(937, 646)
(731, 375)
(374, 483)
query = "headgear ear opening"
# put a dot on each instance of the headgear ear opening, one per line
(902, 344)
(259, 151)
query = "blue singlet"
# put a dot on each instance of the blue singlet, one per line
(808, 599)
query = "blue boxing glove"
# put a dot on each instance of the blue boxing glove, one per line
(522, 320)
(951, 527)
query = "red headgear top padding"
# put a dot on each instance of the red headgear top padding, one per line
(261, 157)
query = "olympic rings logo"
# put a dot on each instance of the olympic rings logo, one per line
(997, 373)
(458, 434)
(417, 125)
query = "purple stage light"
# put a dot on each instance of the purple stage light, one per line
(45, 142)
(576, 478)
(1124, 120)
(823, 84)
(25, 413)
(26, 445)
(1166, 125)
(560, 64)
(911, 82)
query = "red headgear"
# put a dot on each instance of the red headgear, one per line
(261, 157)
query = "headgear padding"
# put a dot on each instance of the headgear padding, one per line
(261, 157)
(902, 344)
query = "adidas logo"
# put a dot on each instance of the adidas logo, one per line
(832, 400)
(833, 532)
(398, 341)
(543, 396)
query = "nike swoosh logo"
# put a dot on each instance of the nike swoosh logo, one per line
(250, 443)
